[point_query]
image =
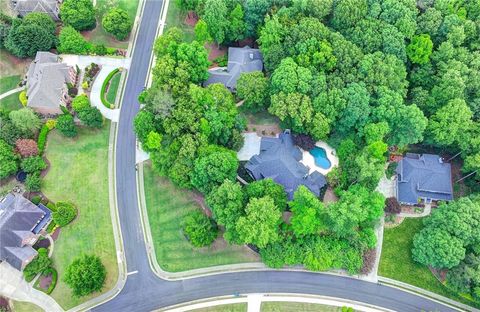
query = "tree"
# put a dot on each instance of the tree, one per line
(143, 124)
(91, 117)
(71, 41)
(85, 275)
(357, 112)
(8, 160)
(80, 102)
(227, 203)
(420, 49)
(38, 265)
(154, 141)
(215, 14)
(374, 132)
(33, 182)
(66, 125)
(40, 19)
(33, 164)
(315, 8)
(64, 213)
(80, 14)
(450, 123)
(201, 32)
(294, 109)
(168, 42)
(346, 13)
(236, 28)
(260, 224)
(188, 5)
(199, 229)
(194, 59)
(464, 277)
(25, 39)
(26, 147)
(267, 187)
(289, 78)
(252, 87)
(25, 119)
(118, 23)
(308, 213)
(212, 168)
(255, 11)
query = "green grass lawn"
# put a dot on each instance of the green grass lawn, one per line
(98, 35)
(9, 83)
(260, 118)
(112, 89)
(236, 307)
(167, 205)
(22, 306)
(396, 261)
(79, 173)
(176, 18)
(11, 102)
(11, 65)
(296, 306)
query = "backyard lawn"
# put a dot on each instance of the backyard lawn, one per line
(166, 206)
(176, 18)
(113, 87)
(11, 65)
(8, 83)
(396, 261)
(79, 173)
(98, 35)
(11, 102)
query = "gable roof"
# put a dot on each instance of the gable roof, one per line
(423, 176)
(18, 218)
(279, 160)
(44, 6)
(46, 79)
(240, 60)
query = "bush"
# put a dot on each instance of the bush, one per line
(64, 214)
(8, 160)
(36, 199)
(392, 205)
(104, 88)
(51, 123)
(99, 49)
(38, 265)
(42, 138)
(304, 141)
(33, 182)
(369, 257)
(23, 98)
(85, 275)
(71, 41)
(66, 125)
(199, 229)
(26, 147)
(53, 283)
(85, 85)
(390, 172)
(118, 23)
(91, 117)
(33, 164)
(80, 103)
(73, 91)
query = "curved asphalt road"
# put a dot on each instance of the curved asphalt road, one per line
(144, 291)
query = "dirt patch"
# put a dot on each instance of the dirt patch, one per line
(45, 281)
(191, 19)
(215, 51)
(329, 196)
(55, 234)
(200, 200)
(42, 243)
(264, 130)
(11, 65)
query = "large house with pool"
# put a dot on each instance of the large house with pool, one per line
(280, 160)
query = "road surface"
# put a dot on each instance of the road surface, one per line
(144, 291)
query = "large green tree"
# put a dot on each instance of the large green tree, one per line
(8, 160)
(71, 41)
(253, 88)
(80, 14)
(26, 38)
(118, 23)
(85, 275)
(308, 213)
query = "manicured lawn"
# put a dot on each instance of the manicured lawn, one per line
(11, 65)
(112, 89)
(9, 83)
(79, 173)
(22, 306)
(296, 306)
(237, 307)
(167, 205)
(176, 18)
(98, 35)
(396, 261)
(11, 102)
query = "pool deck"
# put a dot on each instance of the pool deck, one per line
(309, 161)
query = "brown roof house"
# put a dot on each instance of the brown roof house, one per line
(51, 7)
(47, 80)
(21, 223)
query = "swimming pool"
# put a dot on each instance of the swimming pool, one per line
(320, 157)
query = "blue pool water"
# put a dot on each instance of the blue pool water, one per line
(320, 157)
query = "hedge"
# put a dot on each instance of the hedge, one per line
(104, 88)
(42, 139)
(54, 280)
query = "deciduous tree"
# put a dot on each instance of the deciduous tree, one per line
(85, 275)
(80, 14)
(118, 23)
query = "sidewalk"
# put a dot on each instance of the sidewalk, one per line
(12, 285)
(4, 95)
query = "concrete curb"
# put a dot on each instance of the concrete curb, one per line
(427, 294)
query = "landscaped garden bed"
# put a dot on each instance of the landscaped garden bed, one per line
(109, 88)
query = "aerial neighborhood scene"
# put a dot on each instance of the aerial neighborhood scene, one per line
(239, 155)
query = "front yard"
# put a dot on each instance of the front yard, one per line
(396, 261)
(167, 205)
(176, 18)
(79, 174)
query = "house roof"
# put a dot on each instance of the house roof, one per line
(46, 79)
(423, 176)
(240, 60)
(18, 219)
(279, 160)
(45, 6)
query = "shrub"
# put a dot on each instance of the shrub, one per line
(73, 91)
(304, 141)
(391, 170)
(64, 214)
(80, 103)
(104, 88)
(25, 119)
(85, 85)
(36, 199)
(38, 265)
(33, 182)
(118, 23)
(26, 147)
(51, 206)
(199, 229)
(369, 257)
(33, 164)
(71, 41)
(100, 49)
(42, 138)
(66, 125)
(8, 160)
(53, 283)
(85, 275)
(91, 117)
(392, 205)
(23, 98)
(51, 123)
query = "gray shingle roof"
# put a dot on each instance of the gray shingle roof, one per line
(423, 177)
(18, 217)
(240, 60)
(51, 7)
(279, 160)
(46, 80)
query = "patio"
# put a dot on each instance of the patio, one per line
(309, 161)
